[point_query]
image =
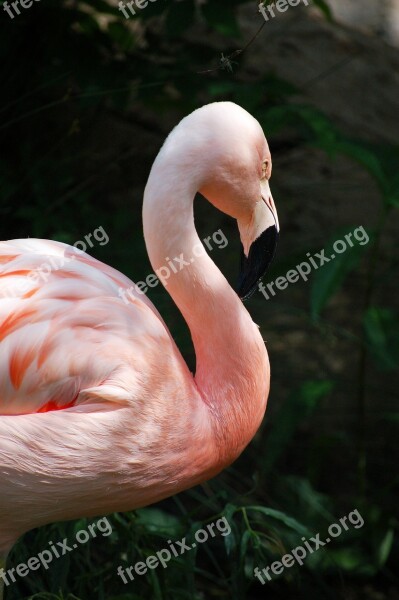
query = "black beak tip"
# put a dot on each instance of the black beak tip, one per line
(254, 266)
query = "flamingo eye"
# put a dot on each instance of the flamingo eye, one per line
(265, 166)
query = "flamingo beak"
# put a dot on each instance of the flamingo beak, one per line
(259, 241)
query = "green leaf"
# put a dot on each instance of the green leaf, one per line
(158, 521)
(366, 158)
(282, 517)
(392, 417)
(58, 573)
(351, 560)
(180, 16)
(322, 128)
(153, 9)
(121, 35)
(383, 550)
(221, 88)
(88, 25)
(231, 541)
(101, 6)
(299, 406)
(315, 126)
(245, 539)
(382, 335)
(220, 15)
(325, 9)
(392, 194)
(309, 502)
(329, 277)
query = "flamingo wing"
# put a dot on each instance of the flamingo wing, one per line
(68, 338)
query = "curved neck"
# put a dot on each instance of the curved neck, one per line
(232, 373)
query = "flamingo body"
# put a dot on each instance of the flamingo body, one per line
(72, 340)
(98, 410)
(108, 375)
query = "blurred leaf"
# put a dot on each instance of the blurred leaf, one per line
(101, 6)
(87, 24)
(121, 35)
(282, 517)
(394, 417)
(309, 502)
(58, 573)
(382, 335)
(221, 88)
(325, 9)
(365, 157)
(329, 277)
(230, 541)
(383, 550)
(351, 560)
(154, 8)
(380, 161)
(180, 16)
(297, 408)
(392, 194)
(158, 521)
(314, 125)
(245, 539)
(323, 129)
(221, 17)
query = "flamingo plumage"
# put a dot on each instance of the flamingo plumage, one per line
(98, 410)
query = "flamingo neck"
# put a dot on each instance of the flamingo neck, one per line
(232, 367)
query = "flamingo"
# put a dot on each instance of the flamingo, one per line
(98, 410)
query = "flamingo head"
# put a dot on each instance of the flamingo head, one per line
(236, 181)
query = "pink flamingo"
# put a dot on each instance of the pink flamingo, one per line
(99, 412)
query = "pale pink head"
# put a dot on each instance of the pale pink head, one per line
(226, 152)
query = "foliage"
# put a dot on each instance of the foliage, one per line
(86, 63)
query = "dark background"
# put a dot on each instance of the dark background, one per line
(87, 100)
